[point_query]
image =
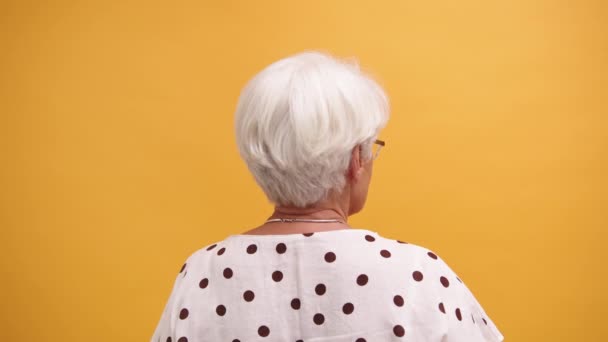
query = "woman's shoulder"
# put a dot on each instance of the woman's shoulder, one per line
(411, 249)
(433, 277)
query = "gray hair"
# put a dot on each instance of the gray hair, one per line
(298, 120)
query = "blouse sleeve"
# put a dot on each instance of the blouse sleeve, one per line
(487, 327)
(165, 327)
(482, 328)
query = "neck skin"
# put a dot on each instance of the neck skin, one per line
(335, 207)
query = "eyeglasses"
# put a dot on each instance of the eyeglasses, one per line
(378, 144)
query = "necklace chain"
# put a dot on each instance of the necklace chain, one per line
(302, 220)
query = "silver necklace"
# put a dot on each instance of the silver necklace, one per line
(302, 220)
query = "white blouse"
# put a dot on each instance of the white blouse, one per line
(348, 285)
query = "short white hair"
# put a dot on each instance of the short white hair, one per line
(298, 120)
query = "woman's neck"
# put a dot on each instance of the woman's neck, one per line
(327, 213)
(324, 211)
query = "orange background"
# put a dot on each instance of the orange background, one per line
(119, 160)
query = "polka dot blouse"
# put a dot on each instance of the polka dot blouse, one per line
(349, 285)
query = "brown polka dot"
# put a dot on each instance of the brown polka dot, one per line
(362, 279)
(441, 307)
(458, 315)
(252, 249)
(318, 319)
(169, 339)
(484, 321)
(432, 255)
(236, 340)
(308, 234)
(277, 276)
(248, 295)
(211, 247)
(370, 238)
(299, 340)
(320, 289)
(228, 273)
(182, 270)
(398, 300)
(361, 339)
(348, 308)
(295, 303)
(385, 253)
(220, 310)
(204, 282)
(221, 251)
(417, 275)
(263, 331)
(183, 339)
(281, 248)
(330, 257)
(183, 314)
(398, 330)
(444, 281)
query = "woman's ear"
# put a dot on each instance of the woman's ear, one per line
(355, 167)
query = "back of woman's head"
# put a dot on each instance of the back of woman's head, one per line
(298, 120)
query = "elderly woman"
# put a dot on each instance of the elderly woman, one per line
(307, 127)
